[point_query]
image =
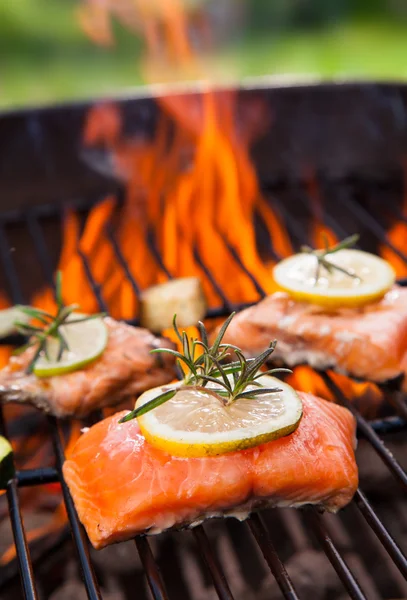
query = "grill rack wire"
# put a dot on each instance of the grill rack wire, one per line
(371, 431)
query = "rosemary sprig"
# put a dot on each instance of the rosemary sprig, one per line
(50, 326)
(321, 255)
(207, 368)
(203, 364)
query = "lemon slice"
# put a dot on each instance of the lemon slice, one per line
(86, 340)
(6, 462)
(7, 318)
(297, 276)
(195, 423)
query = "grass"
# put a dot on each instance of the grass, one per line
(46, 58)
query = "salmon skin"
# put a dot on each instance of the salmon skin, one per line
(369, 343)
(125, 369)
(122, 486)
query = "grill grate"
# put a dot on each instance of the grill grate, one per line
(371, 431)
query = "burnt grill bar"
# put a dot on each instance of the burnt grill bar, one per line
(256, 524)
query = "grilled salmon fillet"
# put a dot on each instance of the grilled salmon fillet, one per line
(126, 368)
(123, 486)
(368, 342)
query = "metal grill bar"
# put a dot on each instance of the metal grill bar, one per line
(40, 245)
(368, 221)
(218, 577)
(20, 540)
(146, 556)
(380, 530)
(257, 526)
(336, 559)
(78, 534)
(367, 432)
(122, 261)
(259, 288)
(157, 256)
(80, 539)
(40, 476)
(218, 289)
(388, 425)
(96, 288)
(262, 537)
(399, 405)
(153, 574)
(9, 270)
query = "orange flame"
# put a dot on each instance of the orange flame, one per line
(365, 396)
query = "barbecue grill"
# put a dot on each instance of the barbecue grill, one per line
(348, 143)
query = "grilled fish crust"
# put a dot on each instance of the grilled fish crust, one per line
(125, 369)
(123, 486)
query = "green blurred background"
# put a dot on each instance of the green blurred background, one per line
(46, 58)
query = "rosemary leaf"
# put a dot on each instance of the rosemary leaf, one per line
(260, 360)
(137, 412)
(272, 372)
(174, 324)
(203, 334)
(58, 289)
(330, 266)
(40, 348)
(51, 325)
(348, 242)
(223, 374)
(221, 333)
(35, 313)
(258, 392)
(217, 381)
(321, 260)
(231, 379)
(22, 349)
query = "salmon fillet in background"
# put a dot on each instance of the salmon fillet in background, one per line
(369, 343)
(123, 486)
(125, 369)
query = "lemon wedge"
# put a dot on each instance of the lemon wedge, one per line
(86, 341)
(372, 278)
(6, 462)
(7, 318)
(196, 423)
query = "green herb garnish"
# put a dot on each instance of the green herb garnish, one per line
(50, 325)
(208, 368)
(321, 255)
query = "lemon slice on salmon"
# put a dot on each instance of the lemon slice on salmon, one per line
(357, 278)
(86, 342)
(196, 423)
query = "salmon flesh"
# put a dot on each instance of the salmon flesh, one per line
(368, 343)
(122, 486)
(125, 369)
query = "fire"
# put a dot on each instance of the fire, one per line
(365, 396)
(5, 351)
